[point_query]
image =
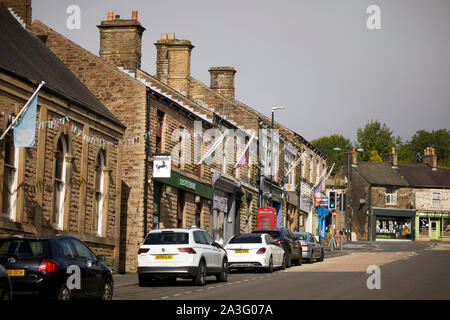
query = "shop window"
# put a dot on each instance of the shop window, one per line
(446, 227)
(11, 162)
(98, 194)
(436, 198)
(391, 196)
(59, 183)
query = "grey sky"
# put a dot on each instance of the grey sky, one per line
(316, 58)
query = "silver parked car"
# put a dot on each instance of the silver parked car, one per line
(312, 249)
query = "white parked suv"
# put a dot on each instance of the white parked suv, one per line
(181, 253)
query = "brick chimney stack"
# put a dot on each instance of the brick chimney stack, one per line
(121, 41)
(391, 157)
(22, 8)
(430, 158)
(173, 62)
(222, 80)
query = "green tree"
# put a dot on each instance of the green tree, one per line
(327, 144)
(375, 136)
(412, 151)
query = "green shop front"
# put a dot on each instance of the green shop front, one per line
(433, 225)
(181, 185)
(393, 224)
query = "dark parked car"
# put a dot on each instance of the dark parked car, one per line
(49, 267)
(5, 285)
(288, 241)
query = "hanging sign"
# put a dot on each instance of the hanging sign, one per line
(162, 166)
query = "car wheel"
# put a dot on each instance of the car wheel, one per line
(223, 275)
(144, 280)
(270, 267)
(283, 262)
(322, 255)
(64, 293)
(200, 278)
(311, 258)
(107, 291)
(288, 260)
(4, 292)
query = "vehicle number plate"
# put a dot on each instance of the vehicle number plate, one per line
(16, 272)
(240, 251)
(163, 257)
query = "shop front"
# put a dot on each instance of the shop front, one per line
(188, 193)
(393, 224)
(433, 225)
(292, 215)
(225, 213)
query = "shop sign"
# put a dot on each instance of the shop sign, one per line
(188, 184)
(305, 204)
(162, 166)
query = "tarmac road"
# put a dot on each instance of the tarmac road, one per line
(408, 270)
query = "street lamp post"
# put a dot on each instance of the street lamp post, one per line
(271, 155)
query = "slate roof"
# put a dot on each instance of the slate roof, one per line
(381, 173)
(25, 55)
(423, 175)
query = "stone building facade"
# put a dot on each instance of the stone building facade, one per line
(69, 181)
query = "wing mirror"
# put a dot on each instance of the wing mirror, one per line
(101, 258)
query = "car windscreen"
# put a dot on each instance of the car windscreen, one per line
(167, 238)
(301, 236)
(23, 248)
(247, 238)
(273, 234)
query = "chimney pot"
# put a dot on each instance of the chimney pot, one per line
(171, 36)
(110, 15)
(134, 15)
(117, 16)
(163, 36)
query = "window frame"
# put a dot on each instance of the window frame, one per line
(11, 197)
(98, 204)
(391, 196)
(59, 196)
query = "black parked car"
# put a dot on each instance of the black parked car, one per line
(48, 267)
(288, 241)
(5, 285)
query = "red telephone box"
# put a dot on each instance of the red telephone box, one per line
(266, 218)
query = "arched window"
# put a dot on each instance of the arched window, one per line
(10, 179)
(59, 183)
(98, 194)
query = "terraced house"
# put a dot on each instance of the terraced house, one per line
(173, 114)
(68, 182)
(160, 120)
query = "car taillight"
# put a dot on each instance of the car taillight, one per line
(188, 250)
(47, 266)
(143, 250)
(261, 251)
(305, 245)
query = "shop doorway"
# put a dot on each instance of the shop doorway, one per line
(434, 229)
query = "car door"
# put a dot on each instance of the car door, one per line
(68, 252)
(277, 252)
(313, 243)
(215, 252)
(296, 245)
(93, 272)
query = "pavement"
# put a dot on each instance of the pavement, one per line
(128, 279)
